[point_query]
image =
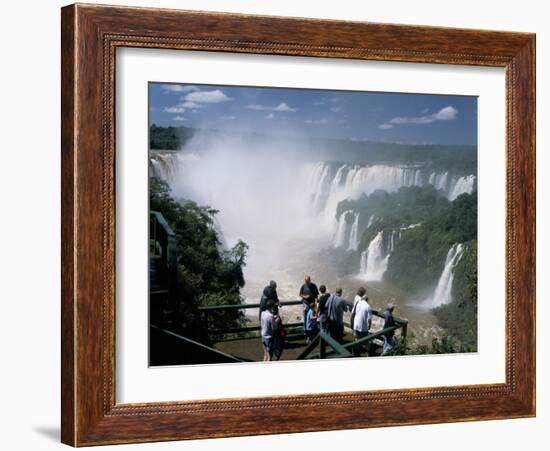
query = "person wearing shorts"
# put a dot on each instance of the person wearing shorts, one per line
(268, 329)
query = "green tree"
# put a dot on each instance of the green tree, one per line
(207, 273)
(169, 138)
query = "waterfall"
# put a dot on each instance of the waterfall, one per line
(340, 236)
(168, 164)
(329, 186)
(374, 260)
(321, 189)
(156, 168)
(371, 220)
(439, 181)
(394, 236)
(354, 234)
(462, 185)
(164, 166)
(443, 291)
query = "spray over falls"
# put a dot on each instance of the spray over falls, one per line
(303, 201)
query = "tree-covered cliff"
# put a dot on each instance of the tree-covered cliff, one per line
(207, 273)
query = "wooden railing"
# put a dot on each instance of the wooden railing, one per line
(324, 340)
(353, 346)
(208, 310)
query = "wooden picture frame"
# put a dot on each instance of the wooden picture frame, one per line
(90, 37)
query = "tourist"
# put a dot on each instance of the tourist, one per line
(279, 335)
(311, 322)
(270, 292)
(361, 319)
(361, 293)
(389, 321)
(322, 313)
(308, 294)
(336, 306)
(269, 328)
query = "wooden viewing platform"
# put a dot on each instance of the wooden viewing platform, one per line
(249, 346)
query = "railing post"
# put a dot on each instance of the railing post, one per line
(404, 332)
(322, 348)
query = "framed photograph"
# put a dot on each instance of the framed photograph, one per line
(265, 218)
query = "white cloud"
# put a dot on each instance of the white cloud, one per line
(215, 96)
(180, 118)
(281, 108)
(336, 109)
(270, 116)
(316, 121)
(228, 118)
(179, 88)
(173, 109)
(448, 113)
(412, 120)
(191, 105)
(385, 126)
(320, 102)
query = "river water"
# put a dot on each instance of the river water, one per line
(301, 260)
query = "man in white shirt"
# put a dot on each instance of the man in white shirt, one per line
(269, 328)
(361, 318)
(361, 293)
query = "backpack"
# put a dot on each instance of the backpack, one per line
(330, 308)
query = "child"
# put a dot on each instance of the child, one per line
(311, 322)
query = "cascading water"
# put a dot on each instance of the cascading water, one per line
(329, 187)
(371, 220)
(346, 234)
(340, 236)
(374, 260)
(167, 164)
(443, 291)
(354, 234)
(322, 189)
(462, 185)
(439, 181)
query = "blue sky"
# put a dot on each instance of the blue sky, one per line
(388, 117)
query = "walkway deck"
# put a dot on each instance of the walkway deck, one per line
(251, 348)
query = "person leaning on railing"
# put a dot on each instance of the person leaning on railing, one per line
(389, 337)
(336, 306)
